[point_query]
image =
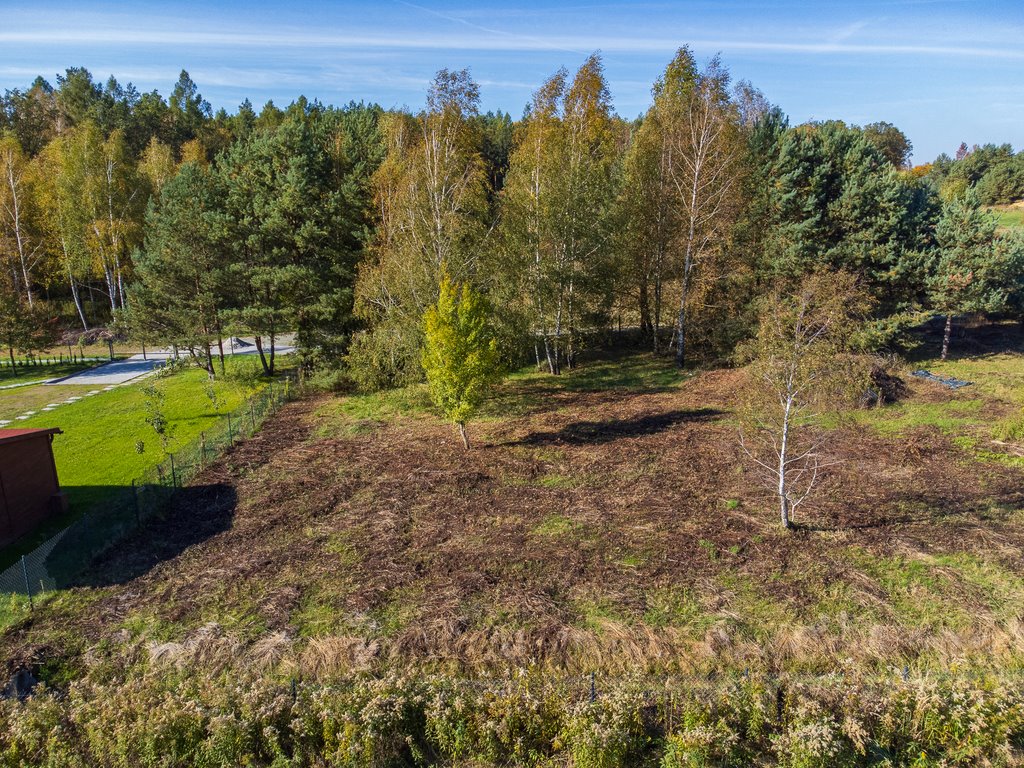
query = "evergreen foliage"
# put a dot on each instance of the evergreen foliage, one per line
(460, 354)
(334, 222)
(969, 271)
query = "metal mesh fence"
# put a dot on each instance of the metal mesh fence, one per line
(56, 562)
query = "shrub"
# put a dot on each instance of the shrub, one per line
(699, 746)
(384, 358)
(607, 732)
(514, 721)
(191, 717)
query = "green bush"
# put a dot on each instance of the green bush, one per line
(607, 732)
(381, 359)
(143, 717)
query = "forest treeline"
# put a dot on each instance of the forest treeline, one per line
(161, 221)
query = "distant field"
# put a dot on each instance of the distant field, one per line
(1009, 215)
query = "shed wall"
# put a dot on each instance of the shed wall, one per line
(29, 485)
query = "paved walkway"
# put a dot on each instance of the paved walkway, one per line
(134, 367)
(120, 372)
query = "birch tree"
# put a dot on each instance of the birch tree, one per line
(431, 199)
(20, 237)
(530, 204)
(66, 221)
(157, 165)
(557, 210)
(800, 369)
(706, 169)
(586, 270)
(108, 194)
(650, 209)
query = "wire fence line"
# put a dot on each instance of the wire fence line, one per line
(55, 563)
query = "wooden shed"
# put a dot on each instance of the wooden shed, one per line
(29, 489)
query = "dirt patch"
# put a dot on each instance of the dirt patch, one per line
(603, 529)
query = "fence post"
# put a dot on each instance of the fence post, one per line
(174, 474)
(202, 451)
(231, 436)
(252, 417)
(28, 585)
(135, 503)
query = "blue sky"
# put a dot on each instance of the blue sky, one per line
(944, 71)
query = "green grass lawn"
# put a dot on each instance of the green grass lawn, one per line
(98, 456)
(99, 446)
(35, 373)
(1009, 215)
(14, 402)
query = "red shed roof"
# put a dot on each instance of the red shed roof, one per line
(13, 435)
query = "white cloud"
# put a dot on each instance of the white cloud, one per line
(483, 40)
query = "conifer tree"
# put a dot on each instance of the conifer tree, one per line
(460, 353)
(180, 293)
(431, 198)
(292, 257)
(968, 272)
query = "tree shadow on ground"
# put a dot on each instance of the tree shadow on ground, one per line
(595, 432)
(926, 507)
(603, 371)
(130, 546)
(971, 339)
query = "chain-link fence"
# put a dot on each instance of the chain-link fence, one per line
(55, 563)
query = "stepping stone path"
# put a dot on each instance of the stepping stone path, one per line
(51, 406)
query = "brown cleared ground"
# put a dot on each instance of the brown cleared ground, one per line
(604, 521)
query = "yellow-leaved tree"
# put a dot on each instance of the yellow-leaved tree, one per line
(460, 353)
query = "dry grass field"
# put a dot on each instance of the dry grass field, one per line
(599, 581)
(602, 521)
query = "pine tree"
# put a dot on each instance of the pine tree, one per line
(290, 237)
(180, 293)
(460, 353)
(967, 272)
